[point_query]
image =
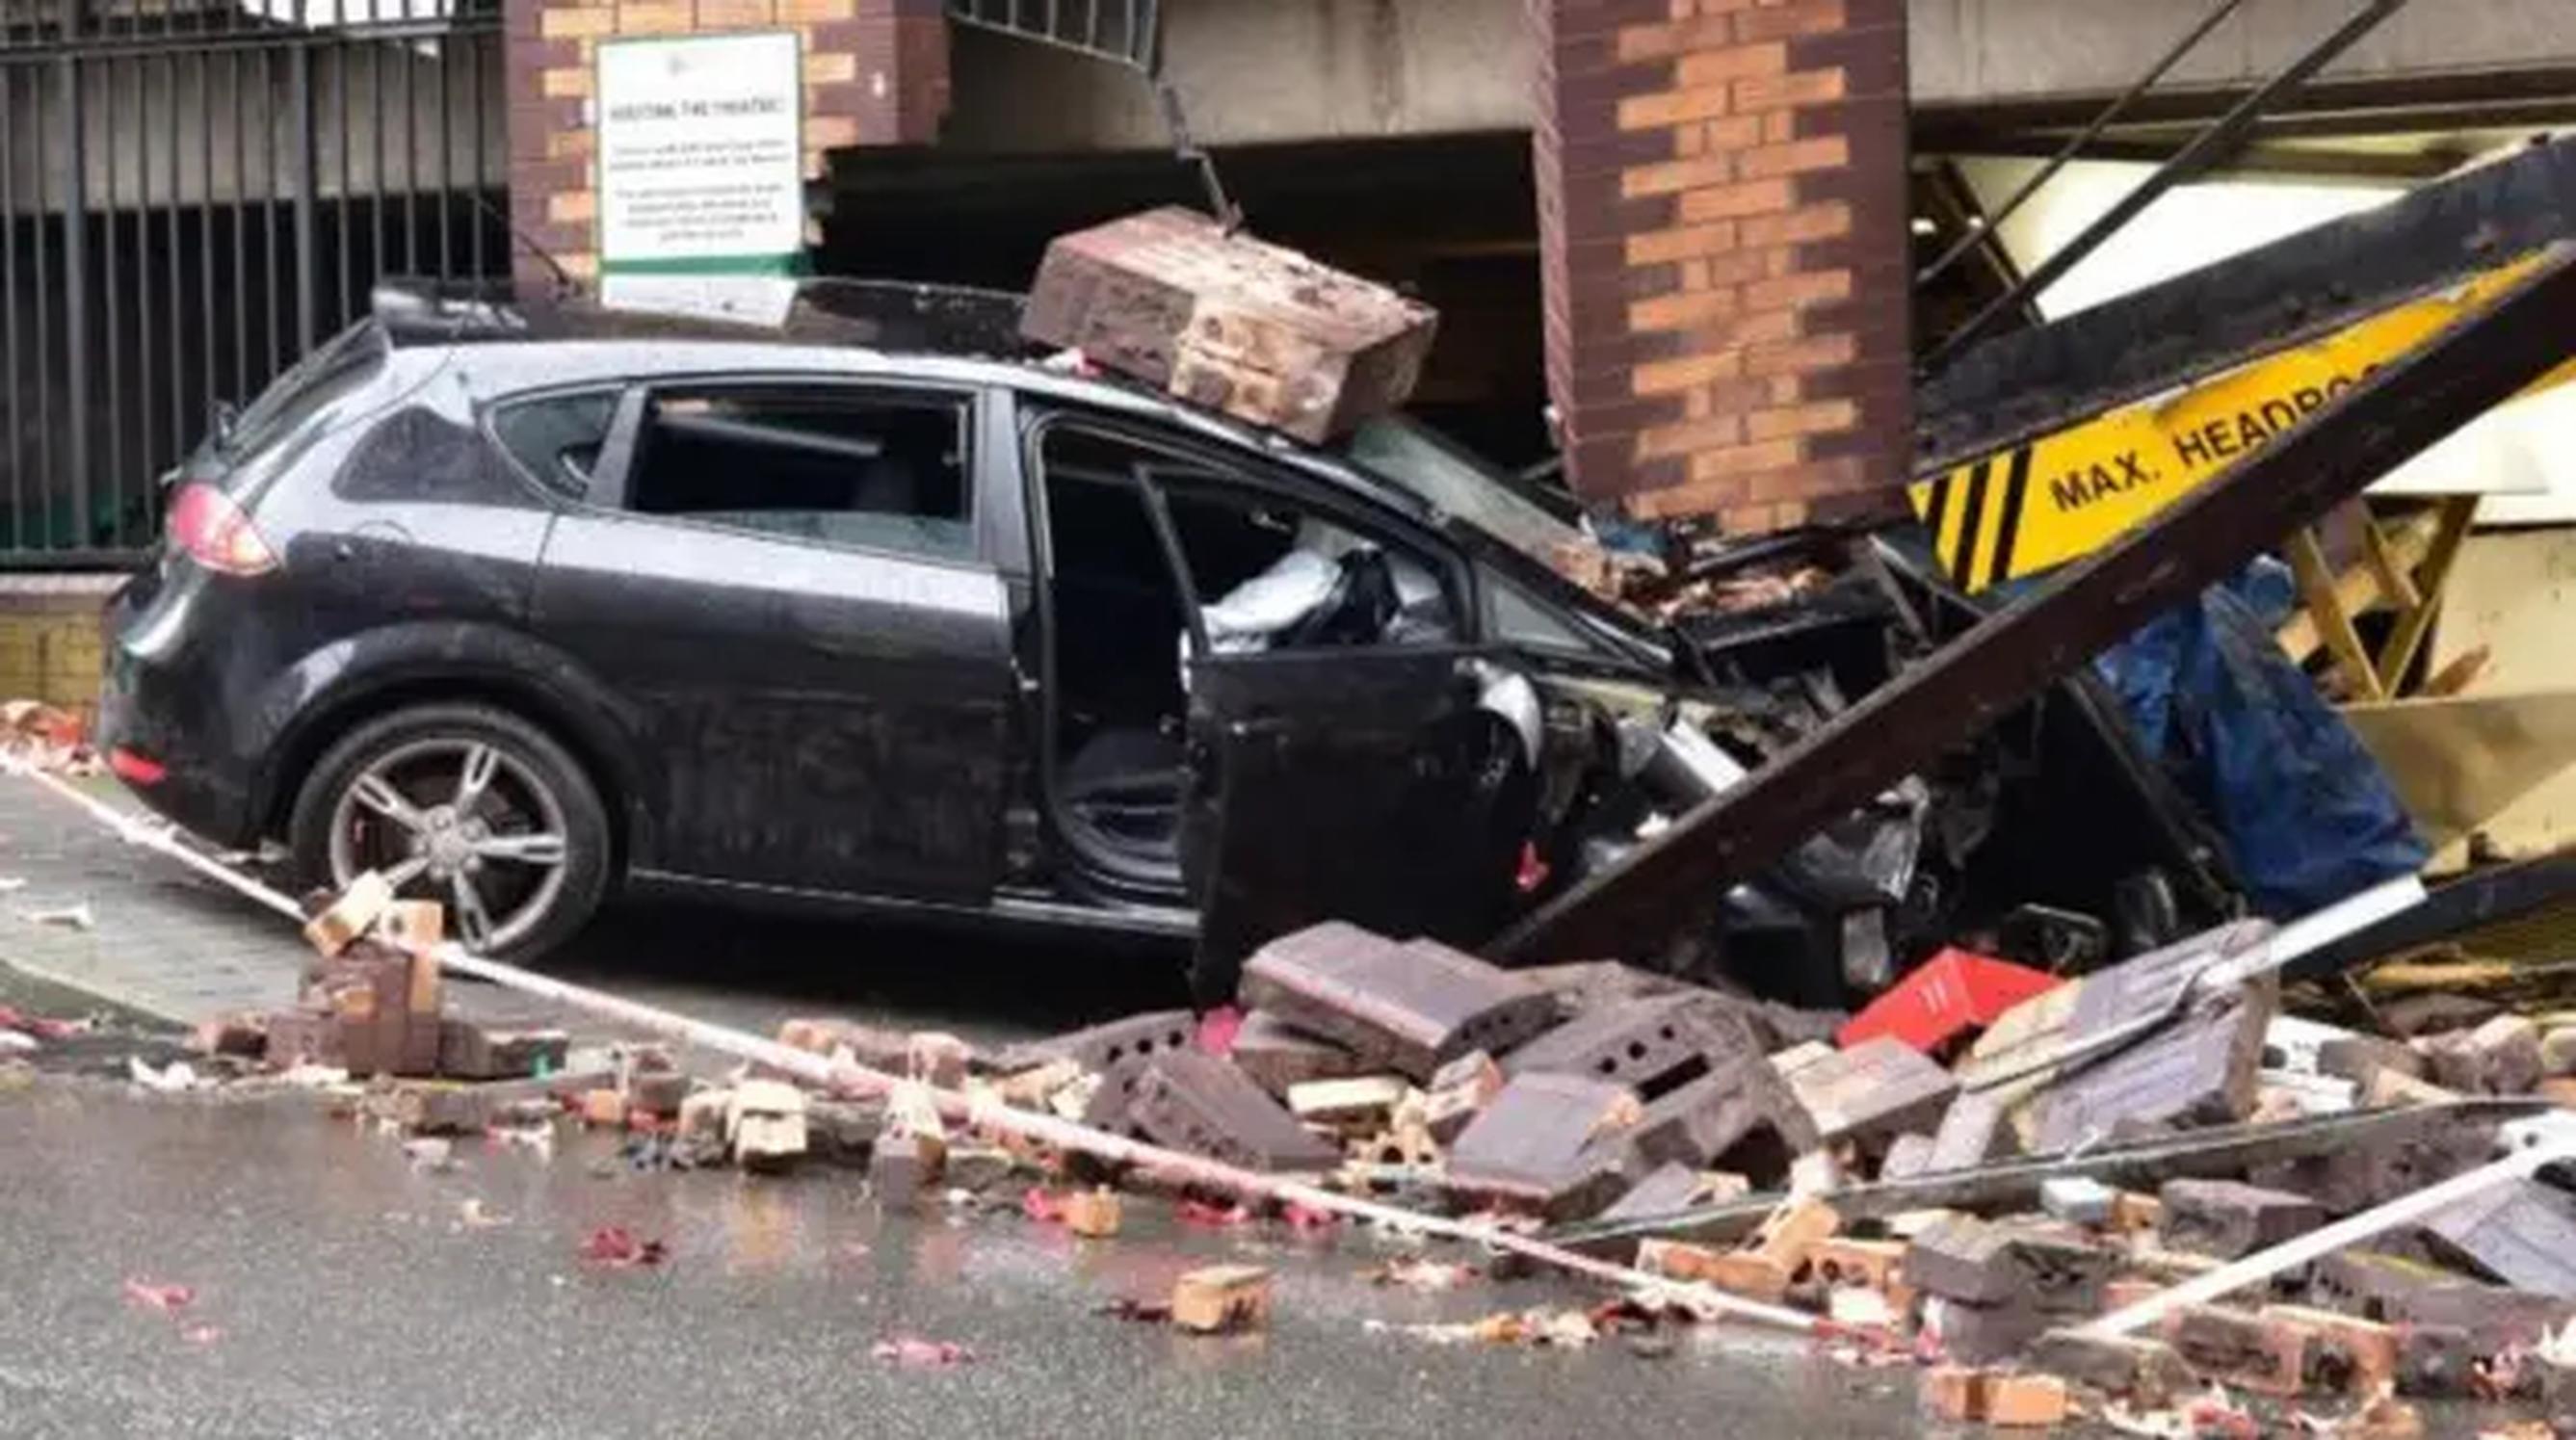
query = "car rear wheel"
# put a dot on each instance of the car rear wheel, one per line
(467, 805)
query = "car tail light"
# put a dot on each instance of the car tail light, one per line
(206, 523)
(135, 768)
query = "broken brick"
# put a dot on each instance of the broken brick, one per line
(2360, 1058)
(1740, 1273)
(1102, 1046)
(2144, 1371)
(1536, 1144)
(2522, 1232)
(1277, 1055)
(1637, 1042)
(1204, 1105)
(1456, 1091)
(2499, 1057)
(1954, 1394)
(2199, 1070)
(303, 1036)
(1741, 1112)
(1984, 1334)
(2406, 1292)
(1976, 1263)
(1221, 1298)
(1875, 1090)
(1874, 1264)
(1666, 1190)
(2346, 1353)
(1409, 1007)
(1094, 1214)
(1972, 1133)
(2026, 1401)
(1787, 1235)
(2234, 1348)
(2436, 1361)
(1364, 1103)
(1908, 1155)
(2231, 1220)
(471, 1051)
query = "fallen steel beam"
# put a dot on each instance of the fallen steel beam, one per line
(2490, 897)
(2214, 1153)
(2413, 1209)
(2031, 382)
(1676, 880)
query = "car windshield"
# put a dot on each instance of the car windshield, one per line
(1452, 481)
(1456, 483)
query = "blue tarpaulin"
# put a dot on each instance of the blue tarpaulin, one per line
(2306, 811)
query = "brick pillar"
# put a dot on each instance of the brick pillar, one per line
(1725, 226)
(876, 73)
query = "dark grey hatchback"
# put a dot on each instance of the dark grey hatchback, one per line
(519, 606)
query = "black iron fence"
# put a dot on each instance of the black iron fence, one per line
(191, 195)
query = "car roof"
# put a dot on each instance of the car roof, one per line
(935, 334)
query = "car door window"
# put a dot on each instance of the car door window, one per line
(1271, 574)
(557, 438)
(842, 466)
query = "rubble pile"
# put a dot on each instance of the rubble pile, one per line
(1916, 1177)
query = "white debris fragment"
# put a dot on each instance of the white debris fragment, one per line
(178, 1075)
(14, 1042)
(68, 917)
(12, 884)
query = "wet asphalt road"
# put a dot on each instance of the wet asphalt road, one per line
(341, 1293)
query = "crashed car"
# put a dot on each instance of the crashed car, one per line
(520, 606)
(517, 606)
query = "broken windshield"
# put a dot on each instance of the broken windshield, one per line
(1456, 483)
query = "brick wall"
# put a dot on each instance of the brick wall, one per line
(876, 73)
(51, 648)
(1725, 231)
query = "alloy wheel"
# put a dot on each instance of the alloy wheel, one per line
(461, 821)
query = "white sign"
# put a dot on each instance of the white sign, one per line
(701, 153)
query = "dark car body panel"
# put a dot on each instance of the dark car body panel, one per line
(796, 719)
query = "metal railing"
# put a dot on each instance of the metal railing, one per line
(191, 196)
(1130, 31)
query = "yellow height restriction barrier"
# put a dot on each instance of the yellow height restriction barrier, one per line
(2021, 511)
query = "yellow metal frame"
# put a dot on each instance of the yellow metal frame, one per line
(2019, 512)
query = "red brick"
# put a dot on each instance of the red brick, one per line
(1793, 291)
(1816, 353)
(1672, 107)
(1738, 62)
(1797, 157)
(1657, 42)
(1808, 87)
(1657, 246)
(1731, 460)
(1667, 376)
(1716, 433)
(1690, 307)
(1780, 22)
(1806, 225)
(1814, 419)
(1677, 175)
(1732, 202)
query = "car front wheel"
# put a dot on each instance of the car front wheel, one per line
(466, 805)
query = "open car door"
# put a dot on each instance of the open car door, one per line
(1364, 784)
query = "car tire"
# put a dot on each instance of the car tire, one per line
(530, 778)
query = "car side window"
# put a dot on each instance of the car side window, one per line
(557, 438)
(875, 469)
(1274, 575)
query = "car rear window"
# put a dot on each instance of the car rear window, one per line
(339, 367)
